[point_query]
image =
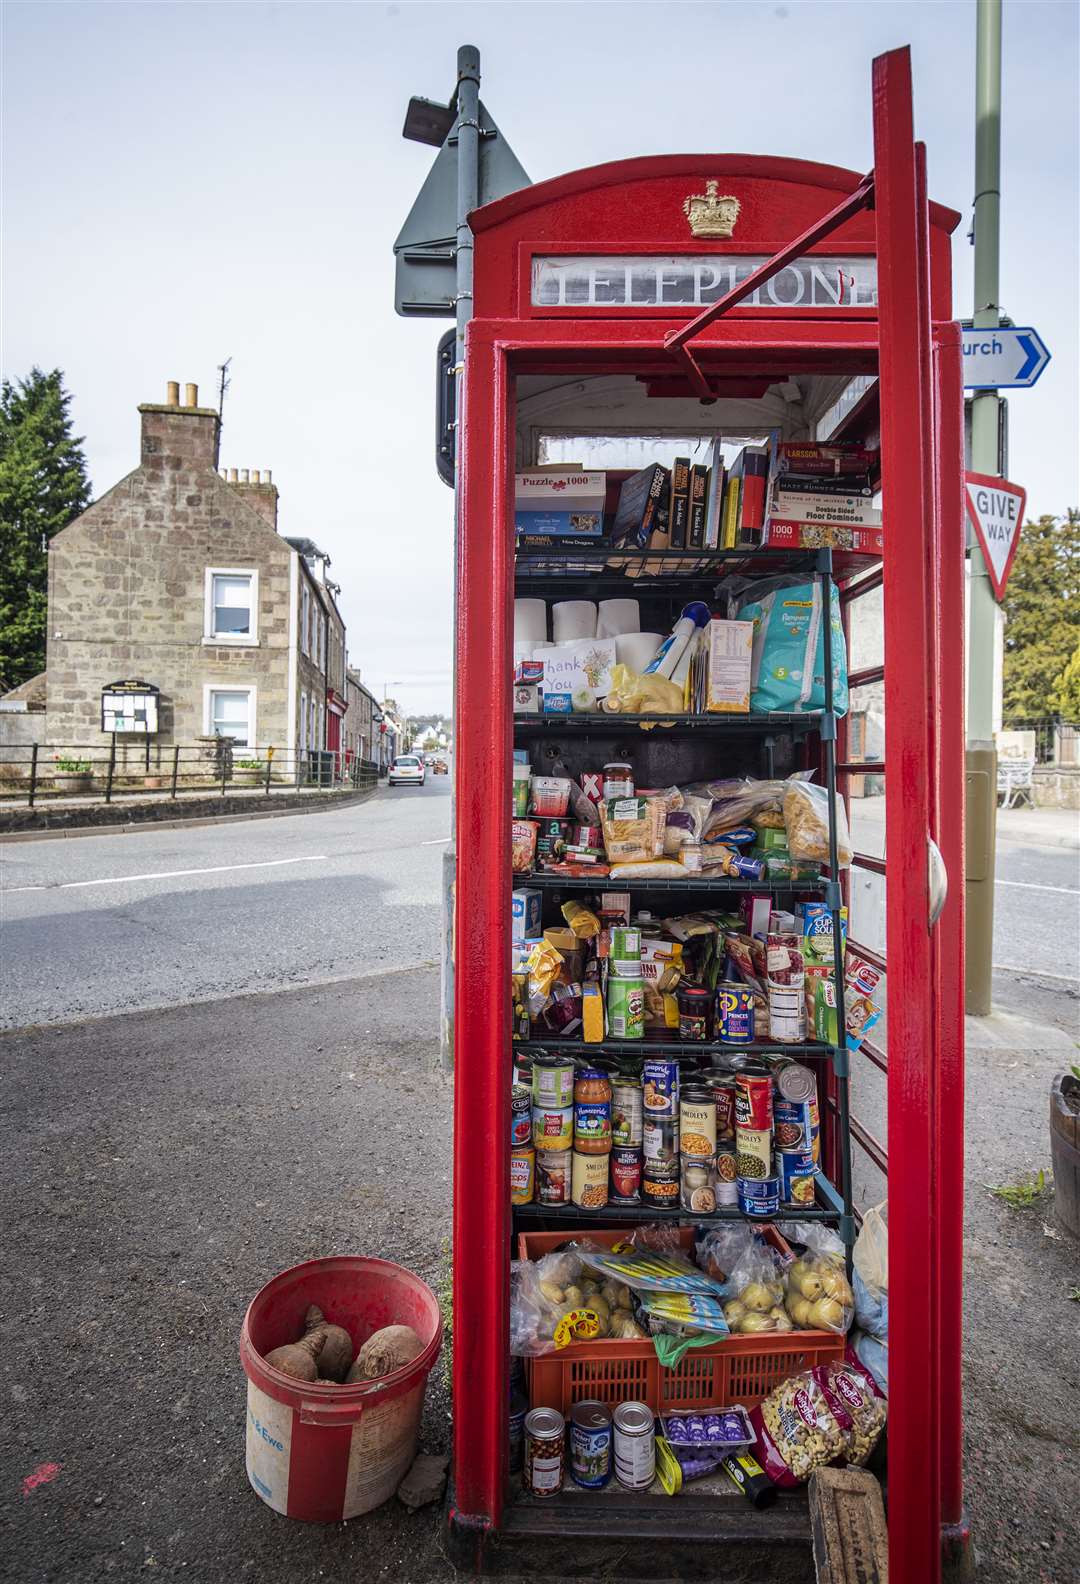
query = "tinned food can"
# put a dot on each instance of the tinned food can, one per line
(795, 1083)
(697, 1121)
(696, 1188)
(735, 1014)
(725, 1172)
(553, 1168)
(553, 1127)
(797, 1173)
(522, 1176)
(626, 1175)
(761, 1197)
(545, 1434)
(633, 1445)
(520, 1116)
(660, 1139)
(626, 1008)
(590, 1444)
(552, 1083)
(753, 1099)
(660, 1087)
(660, 1183)
(753, 1153)
(626, 1112)
(795, 1123)
(589, 1181)
(723, 1092)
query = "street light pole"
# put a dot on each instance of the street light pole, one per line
(981, 825)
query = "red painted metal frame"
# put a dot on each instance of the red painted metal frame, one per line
(924, 782)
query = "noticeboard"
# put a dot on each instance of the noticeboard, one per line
(130, 707)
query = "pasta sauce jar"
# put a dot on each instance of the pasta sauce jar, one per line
(592, 1112)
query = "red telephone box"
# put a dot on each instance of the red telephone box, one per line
(615, 302)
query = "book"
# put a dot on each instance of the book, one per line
(807, 456)
(755, 474)
(715, 504)
(809, 484)
(639, 504)
(794, 505)
(732, 492)
(680, 502)
(563, 501)
(699, 481)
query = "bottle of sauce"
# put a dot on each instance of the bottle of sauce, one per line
(592, 1112)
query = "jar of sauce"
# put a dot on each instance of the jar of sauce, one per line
(695, 1005)
(592, 1112)
(618, 779)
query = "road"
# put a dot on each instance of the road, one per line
(116, 923)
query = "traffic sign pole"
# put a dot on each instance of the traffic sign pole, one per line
(981, 826)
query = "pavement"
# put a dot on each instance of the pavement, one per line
(161, 1165)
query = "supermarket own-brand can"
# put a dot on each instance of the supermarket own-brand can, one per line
(696, 1189)
(634, 1446)
(660, 1139)
(626, 1008)
(761, 1197)
(660, 1183)
(544, 1443)
(753, 1099)
(795, 1123)
(626, 1175)
(697, 1121)
(590, 1444)
(589, 1181)
(660, 1087)
(797, 1173)
(553, 1128)
(552, 1083)
(520, 1116)
(522, 1176)
(626, 1112)
(734, 1014)
(553, 1168)
(725, 1172)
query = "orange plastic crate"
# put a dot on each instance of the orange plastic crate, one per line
(740, 1369)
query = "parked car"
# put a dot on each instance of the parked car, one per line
(407, 769)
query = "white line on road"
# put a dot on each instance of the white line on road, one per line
(1029, 885)
(1036, 973)
(170, 874)
(438, 841)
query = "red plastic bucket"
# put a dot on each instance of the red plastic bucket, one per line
(316, 1450)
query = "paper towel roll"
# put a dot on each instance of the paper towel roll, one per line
(635, 650)
(523, 649)
(530, 620)
(618, 616)
(573, 619)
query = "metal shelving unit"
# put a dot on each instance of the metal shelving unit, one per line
(548, 881)
(676, 725)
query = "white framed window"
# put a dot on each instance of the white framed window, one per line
(315, 743)
(305, 618)
(230, 712)
(231, 612)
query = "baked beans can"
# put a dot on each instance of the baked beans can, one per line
(795, 1123)
(626, 1112)
(520, 1116)
(553, 1168)
(760, 1197)
(697, 1121)
(634, 1445)
(589, 1181)
(725, 1172)
(795, 1082)
(753, 1152)
(660, 1139)
(797, 1173)
(696, 1190)
(660, 1087)
(553, 1127)
(552, 1083)
(545, 1435)
(626, 1175)
(753, 1100)
(626, 1008)
(590, 1444)
(522, 1176)
(735, 1014)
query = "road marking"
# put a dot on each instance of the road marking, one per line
(1035, 973)
(170, 874)
(438, 841)
(1029, 885)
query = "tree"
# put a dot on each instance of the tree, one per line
(1065, 699)
(1042, 611)
(43, 487)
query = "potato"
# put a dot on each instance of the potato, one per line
(574, 1296)
(610, 1291)
(623, 1300)
(600, 1304)
(553, 1293)
(590, 1286)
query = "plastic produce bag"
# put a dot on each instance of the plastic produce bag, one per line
(788, 658)
(870, 1258)
(755, 1289)
(817, 1295)
(806, 819)
(718, 1249)
(631, 694)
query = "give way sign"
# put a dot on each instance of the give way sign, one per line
(996, 510)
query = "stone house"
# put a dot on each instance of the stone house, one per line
(178, 577)
(363, 720)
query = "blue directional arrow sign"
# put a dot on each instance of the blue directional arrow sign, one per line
(1003, 359)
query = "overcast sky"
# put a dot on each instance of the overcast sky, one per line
(188, 182)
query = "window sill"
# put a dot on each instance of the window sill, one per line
(229, 643)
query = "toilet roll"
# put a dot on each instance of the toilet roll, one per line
(618, 616)
(635, 650)
(530, 620)
(573, 619)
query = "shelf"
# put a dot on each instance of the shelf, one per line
(612, 725)
(623, 1215)
(721, 884)
(646, 1047)
(653, 572)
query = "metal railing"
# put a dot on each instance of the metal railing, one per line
(41, 773)
(1057, 741)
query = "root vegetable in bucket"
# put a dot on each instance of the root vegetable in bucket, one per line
(337, 1350)
(384, 1351)
(298, 1359)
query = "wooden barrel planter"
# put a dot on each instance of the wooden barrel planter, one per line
(1065, 1150)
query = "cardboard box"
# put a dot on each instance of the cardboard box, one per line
(730, 652)
(562, 501)
(784, 534)
(592, 1014)
(557, 703)
(527, 700)
(526, 908)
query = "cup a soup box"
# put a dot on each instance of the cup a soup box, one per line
(562, 501)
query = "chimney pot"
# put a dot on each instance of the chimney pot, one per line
(191, 395)
(269, 478)
(256, 476)
(233, 476)
(243, 475)
(172, 393)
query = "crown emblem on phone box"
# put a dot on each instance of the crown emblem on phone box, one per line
(711, 215)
